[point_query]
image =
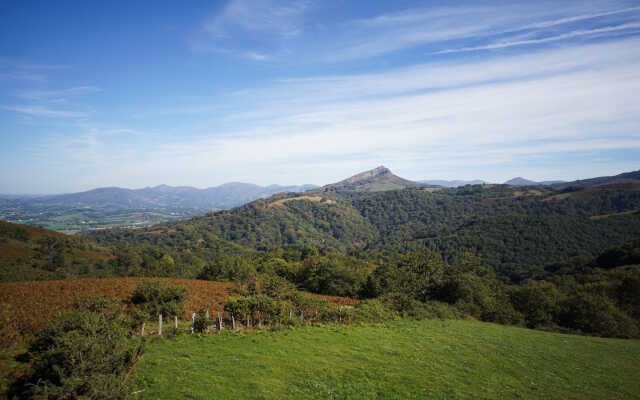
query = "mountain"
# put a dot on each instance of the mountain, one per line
(224, 196)
(514, 229)
(375, 180)
(519, 181)
(451, 184)
(624, 178)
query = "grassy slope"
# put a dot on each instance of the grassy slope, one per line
(404, 359)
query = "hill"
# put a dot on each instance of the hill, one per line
(28, 253)
(514, 229)
(375, 180)
(402, 359)
(626, 177)
(452, 183)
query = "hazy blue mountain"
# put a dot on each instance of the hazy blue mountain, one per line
(227, 195)
(452, 183)
(519, 181)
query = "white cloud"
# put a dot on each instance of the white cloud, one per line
(569, 35)
(43, 111)
(59, 93)
(473, 115)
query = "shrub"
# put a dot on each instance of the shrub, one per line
(537, 301)
(370, 311)
(86, 353)
(595, 314)
(200, 322)
(155, 298)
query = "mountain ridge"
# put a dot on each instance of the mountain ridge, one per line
(378, 179)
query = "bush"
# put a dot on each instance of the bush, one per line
(332, 276)
(200, 322)
(155, 298)
(595, 314)
(480, 297)
(86, 353)
(538, 302)
(370, 311)
(230, 268)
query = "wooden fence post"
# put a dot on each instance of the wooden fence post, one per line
(159, 324)
(233, 322)
(290, 314)
(175, 320)
(207, 314)
(340, 313)
(193, 321)
(219, 322)
(302, 315)
(248, 322)
(142, 332)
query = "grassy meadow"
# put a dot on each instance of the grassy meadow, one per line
(397, 360)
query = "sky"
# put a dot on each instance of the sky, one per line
(199, 93)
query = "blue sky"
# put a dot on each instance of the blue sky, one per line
(137, 94)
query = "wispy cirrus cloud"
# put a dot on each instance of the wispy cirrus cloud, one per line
(262, 30)
(59, 94)
(597, 32)
(468, 115)
(496, 26)
(255, 30)
(44, 111)
(12, 70)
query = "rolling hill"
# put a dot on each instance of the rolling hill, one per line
(28, 253)
(515, 229)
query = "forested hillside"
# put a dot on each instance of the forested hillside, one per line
(518, 255)
(28, 253)
(515, 230)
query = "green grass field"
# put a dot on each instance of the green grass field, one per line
(399, 360)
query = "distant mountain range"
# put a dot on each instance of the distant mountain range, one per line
(114, 206)
(224, 196)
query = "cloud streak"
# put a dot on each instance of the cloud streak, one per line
(481, 114)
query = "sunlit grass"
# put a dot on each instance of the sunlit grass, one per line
(403, 359)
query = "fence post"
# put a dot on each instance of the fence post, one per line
(290, 314)
(207, 314)
(248, 322)
(159, 324)
(193, 321)
(233, 322)
(302, 315)
(175, 320)
(219, 323)
(142, 332)
(340, 313)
